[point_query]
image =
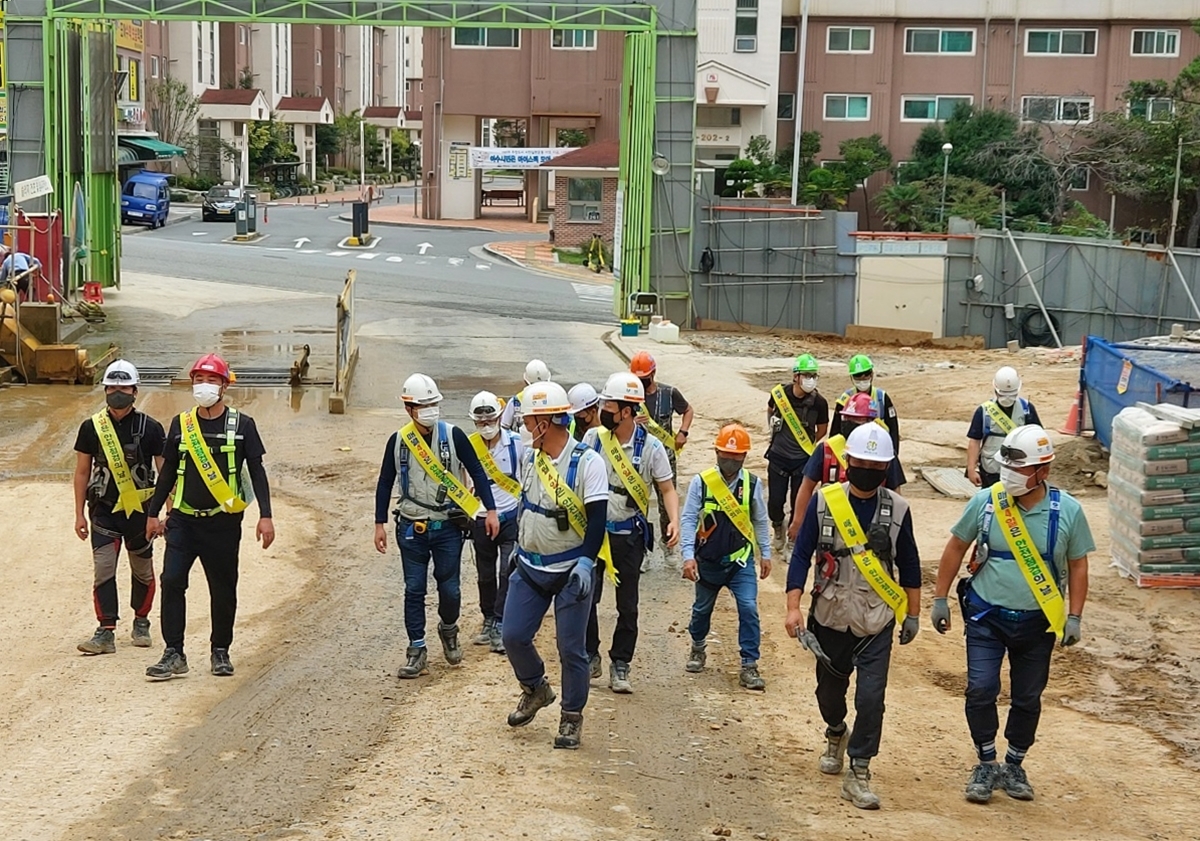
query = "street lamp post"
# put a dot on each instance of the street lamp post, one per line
(798, 104)
(947, 148)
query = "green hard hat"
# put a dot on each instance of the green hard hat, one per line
(806, 363)
(860, 364)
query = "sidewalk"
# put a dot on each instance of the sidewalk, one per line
(503, 222)
(540, 257)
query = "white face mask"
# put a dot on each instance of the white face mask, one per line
(488, 430)
(428, 415)
(862, 383)
(1017, 484)
(1006, 400)
(809, 384)
(206, 394)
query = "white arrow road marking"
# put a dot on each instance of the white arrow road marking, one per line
(278, 249)
(367, 256)
(199, 233)
(425, 246)
(483, 267)
(395, 259)
(301, 241)
(310, 251)
(456, 261)
(337, 253)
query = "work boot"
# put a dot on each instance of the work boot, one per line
(594, 667)
(484, 637)
(1015, 783)
(141, 633)
(856, 787)
(835, 751)
(221, 665)
(570, 728)
(750, 678)
(618, 678)
(449, 637)
(171, 665)
(418, 662)
(533, 698)
(777, 534)
(102, 642)
(985, 778)
(497, 638)
(697, 658)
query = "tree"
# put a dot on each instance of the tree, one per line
(506, 132)
(572, 137)
(328, 140)
(903, 206)
(269, 141)
(917, 205)
(406, 155)
(1041, 163)
(246, 79)
(740, 177)
(862, 157)
(173, 113)
(827, 188)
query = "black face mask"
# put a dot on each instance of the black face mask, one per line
(609, 420)
(729, 466)
(119, 400)
(647, 383)
(584, 420)
(866, 479)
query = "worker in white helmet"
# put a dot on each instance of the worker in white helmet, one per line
(1032, 541)
(118, 452)
(427, 461)
(861, 535)
(536, 371)
(993, 420)
(564, 498)
(636, 462)
(500, 452)
(585, 409)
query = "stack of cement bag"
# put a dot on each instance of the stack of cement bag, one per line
(1154, 495)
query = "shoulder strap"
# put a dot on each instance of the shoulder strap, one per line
(1052, 528)
(827, 528)
(883, 510)
(512, 456)
(639, 444)
(402, 460)
(576, 453)
(444, 443)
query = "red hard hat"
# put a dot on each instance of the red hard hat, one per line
(859, 406)
(211, 364)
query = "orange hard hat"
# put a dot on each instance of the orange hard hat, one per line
(733, 438)
(642, 364)
(212, 364)
(859, 406)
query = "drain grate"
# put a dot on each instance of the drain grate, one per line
(246, 377)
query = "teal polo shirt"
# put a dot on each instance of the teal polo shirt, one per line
(1000, 581)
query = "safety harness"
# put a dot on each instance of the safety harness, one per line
(558, 514)
(102, 469)
(402, 455)
(829, 557)
(637, 520)
(230, 450)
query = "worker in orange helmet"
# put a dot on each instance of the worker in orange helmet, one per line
(208, 451)
(724, 519)
(663, 402)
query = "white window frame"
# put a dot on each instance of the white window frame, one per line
(587, 206)
(1087, 182)
(850, 40)
(936, 103)
(1058, 109)
(745, 10)
(942, 30)
(1150, 102)
(847, 97)
(784, 95)
(516, 44)
(153, 67)
(795, 40)
(1061, 34)
(318, 57)
(573, 35)
(1165, 32)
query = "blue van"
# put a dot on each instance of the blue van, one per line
(146, 199)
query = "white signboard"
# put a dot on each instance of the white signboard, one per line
(510, 157)
(618, 232)
(24, 191)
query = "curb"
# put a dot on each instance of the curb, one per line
(536, 270)
(142, 229)
(422, 224)
(610, 339)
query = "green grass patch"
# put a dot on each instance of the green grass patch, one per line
(570, 256)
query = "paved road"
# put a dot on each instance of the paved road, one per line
(438, 267)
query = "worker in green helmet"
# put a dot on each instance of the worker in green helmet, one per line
(798, 418)
(862, 377)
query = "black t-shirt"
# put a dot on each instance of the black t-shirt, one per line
(141, 438)
(248, 449)
(664, 404)
(812, 409)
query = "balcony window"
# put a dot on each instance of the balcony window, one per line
(1156, 42)
(480, 38)
(850, 39)
(927, 109)
(1060, 42)
(940, 41)
(847, 106)
(573, 39)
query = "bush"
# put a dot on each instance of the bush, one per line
(200, 183)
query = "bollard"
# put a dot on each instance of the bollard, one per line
(265, 220)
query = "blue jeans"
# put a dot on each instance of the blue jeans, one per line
(530, 593)
(444, 547)
(743, 586)
(1029, 645)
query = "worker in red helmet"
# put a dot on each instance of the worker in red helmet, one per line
(208, 453)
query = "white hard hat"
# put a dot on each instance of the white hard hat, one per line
(1007, 381)
(536, 372)
(421, 390)
(120, 373)
(1026, 445)
(871, 442)
(582, 396)
(546, 398)
(625, 387)
(485, 406)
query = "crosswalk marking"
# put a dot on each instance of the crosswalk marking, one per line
(337, 253)
(593, 292)
(395, 259)
(371, 256)
(483, 267)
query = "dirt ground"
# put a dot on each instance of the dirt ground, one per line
(314, 738)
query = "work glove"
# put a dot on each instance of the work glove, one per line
(909, 630)
(809, 640)
(940, 615)
(581, 577)
(1072, 633)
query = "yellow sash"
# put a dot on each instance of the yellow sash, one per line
(793, 422)
(455, 490)
(738, 513)
(194, 443)
(1002, 421)
(1041, 582)
(566, 498)
(503, 481)
(129, 498)
(837, 443)
(658, 430)
(639, 491)
(867, 561)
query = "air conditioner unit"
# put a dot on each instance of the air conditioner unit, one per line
(129, 114)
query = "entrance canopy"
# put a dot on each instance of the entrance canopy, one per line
(149, 148)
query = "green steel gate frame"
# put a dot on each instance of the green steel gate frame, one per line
(640, 23)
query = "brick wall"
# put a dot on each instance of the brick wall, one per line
(578, 234)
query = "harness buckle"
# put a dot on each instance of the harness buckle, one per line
(420, 526)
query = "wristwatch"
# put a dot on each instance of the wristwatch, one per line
(684, 433)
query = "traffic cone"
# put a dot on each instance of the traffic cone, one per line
(1076, 421)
